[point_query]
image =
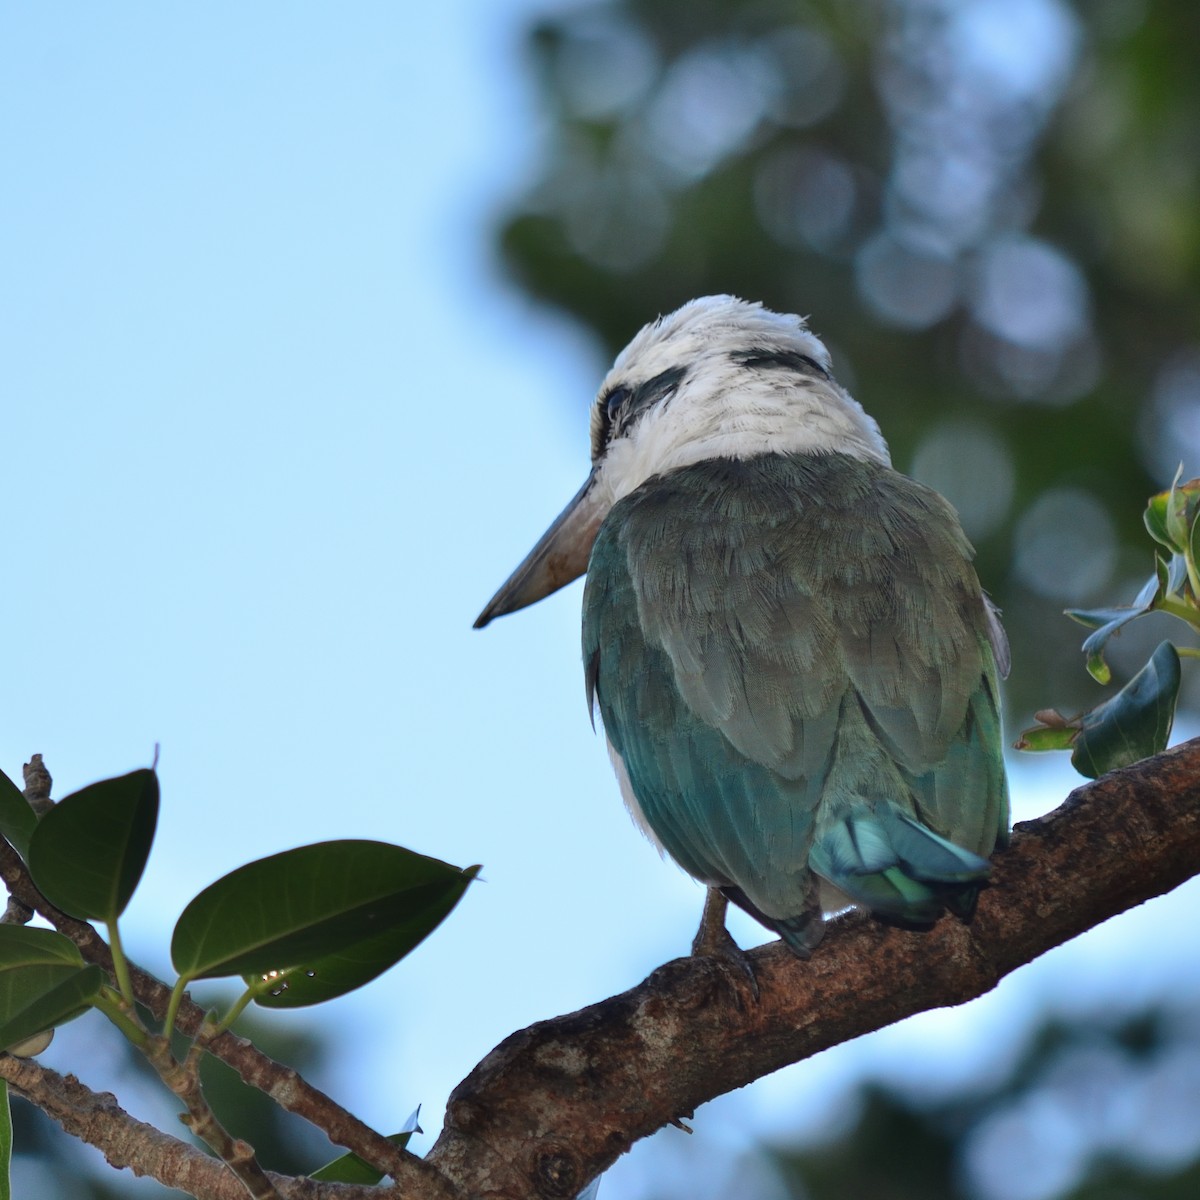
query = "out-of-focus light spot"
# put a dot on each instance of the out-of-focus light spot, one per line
(1066, 548)
(805, 198)
(1029, 293)
(904, 286)
(1170, 425)
(1165, 1129)
(604, 67)
(1095, 1103)
(949, 190)
(1025, 46)
(813, 75)
(972, 467)
(1049, 376)
(1025, 1153)
(967, 86)
(709, 104)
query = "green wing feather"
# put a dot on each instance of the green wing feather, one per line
(793, 658)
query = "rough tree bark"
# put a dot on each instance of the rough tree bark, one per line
(555, 1104)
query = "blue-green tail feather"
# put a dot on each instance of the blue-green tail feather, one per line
(885, 860)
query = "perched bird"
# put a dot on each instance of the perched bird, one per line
(793, 659)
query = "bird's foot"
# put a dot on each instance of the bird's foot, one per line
(713, 940)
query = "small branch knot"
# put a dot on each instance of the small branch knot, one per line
(556, 1172)
(37, 785)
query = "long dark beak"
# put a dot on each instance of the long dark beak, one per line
(560, 556)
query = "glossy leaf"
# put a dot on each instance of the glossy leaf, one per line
(1133, 724)
(1193, 547)
(1172, 574)
(23, 946)
(349, 1168)
(6, 1143)
(88, 852)
(1155, 518)
(1109, 621)
(47, 1007)
(17, 819)
(359, 961)
(304, 905)
(1047, 737)
(34, 965)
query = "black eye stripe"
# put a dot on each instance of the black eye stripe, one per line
(656, 388)
(622, 405)
(783, 360)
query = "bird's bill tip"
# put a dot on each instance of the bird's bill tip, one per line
(560, 557)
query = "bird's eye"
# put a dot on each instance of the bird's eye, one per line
(614, 400)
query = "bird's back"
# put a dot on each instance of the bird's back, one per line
(792, 659)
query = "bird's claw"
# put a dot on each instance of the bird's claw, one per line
(714, 941)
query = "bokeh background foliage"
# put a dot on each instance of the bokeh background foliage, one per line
(991, 211)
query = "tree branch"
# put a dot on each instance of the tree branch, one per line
(554, 1105)
(96, 1118)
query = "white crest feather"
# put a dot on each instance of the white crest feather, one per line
(725, 407)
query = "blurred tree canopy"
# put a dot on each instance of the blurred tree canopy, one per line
(989, 208)
(1097, 1108)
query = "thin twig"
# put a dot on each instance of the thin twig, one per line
(97, 1119)
(183, 1078)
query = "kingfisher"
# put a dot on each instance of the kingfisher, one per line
(795, 665)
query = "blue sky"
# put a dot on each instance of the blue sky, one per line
(274, 430)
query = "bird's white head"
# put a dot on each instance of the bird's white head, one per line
(717, 378)
(721, 378)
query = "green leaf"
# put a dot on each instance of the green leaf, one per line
(17, 819)
(1155, 518)
(349, 1168)
(1041, 737)
(1177, 513)
(1109, 621)
(305, 905)
(359, 961)
(88, 852)
(46, 1007)
(1172, 574)
(22, 946)
(1193, 548)
(6, 1143)
(43, 982)
(1133, 724)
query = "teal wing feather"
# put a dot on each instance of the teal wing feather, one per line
(795, 663)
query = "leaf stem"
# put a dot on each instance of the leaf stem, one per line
(236, 1010)
(6, 1143)
(172, 1013)
(112, 1005)
(120, 962)
(1180, 609)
